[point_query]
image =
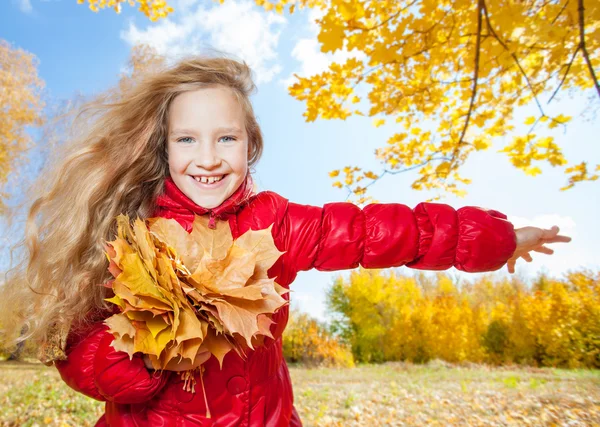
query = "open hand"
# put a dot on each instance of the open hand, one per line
(533, 239)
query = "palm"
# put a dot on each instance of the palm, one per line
(534, 239)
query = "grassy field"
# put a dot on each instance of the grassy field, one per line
(393, 394)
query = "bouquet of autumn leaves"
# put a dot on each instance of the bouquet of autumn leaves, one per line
(184, 296)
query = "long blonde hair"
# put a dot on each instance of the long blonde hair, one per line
(118, 165)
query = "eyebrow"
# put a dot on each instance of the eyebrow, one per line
(232, 129)
(181, 131)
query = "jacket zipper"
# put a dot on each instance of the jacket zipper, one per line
(212, 220)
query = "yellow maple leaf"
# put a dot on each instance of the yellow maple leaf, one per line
(331, 37)
(186, 296)
(218, 345)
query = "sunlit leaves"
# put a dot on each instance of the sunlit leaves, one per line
(328, 93)
(153, 9)
(389, 317)
(309, 342)
(20, 105)
(580, 173)
(419, 69)
(187, 296)
(422, 62)
(523, 151)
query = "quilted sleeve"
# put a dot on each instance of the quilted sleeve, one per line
(432, 236)
(94, 368)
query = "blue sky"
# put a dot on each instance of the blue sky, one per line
(79, 50)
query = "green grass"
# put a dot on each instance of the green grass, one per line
(392, 394)
(32, 394)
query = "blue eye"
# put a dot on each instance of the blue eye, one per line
(181, 139)
(230, 138)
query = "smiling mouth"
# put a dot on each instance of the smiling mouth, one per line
(208, 180)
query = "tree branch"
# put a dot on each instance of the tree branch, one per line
(389, 172)
(480, 9)
(566, 72)
(586, 55)
(382, 23)
(560, 12)
(512, 54)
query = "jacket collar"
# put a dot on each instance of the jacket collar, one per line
(174, 202)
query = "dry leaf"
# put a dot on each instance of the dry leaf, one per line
(186, 296)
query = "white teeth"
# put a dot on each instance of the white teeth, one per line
(208, 180)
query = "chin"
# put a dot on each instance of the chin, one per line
(208, 204)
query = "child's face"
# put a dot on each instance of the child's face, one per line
(207, 138)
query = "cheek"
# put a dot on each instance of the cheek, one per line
(242, 158)
(176, 161)
(242, 161)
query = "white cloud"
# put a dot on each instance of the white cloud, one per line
(24, 5)
(236, 28)
(565, 223)
(308, 53)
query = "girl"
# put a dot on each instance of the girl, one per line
(179, 144)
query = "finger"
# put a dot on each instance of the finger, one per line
(555, 239)
(511, 266)
(548, 234)
(544, 250)
(527, 257)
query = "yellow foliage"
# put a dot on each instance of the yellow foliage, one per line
(143, 59)
(462, 66)
(187, 296)
(427, 59)
(153, 9)
(308, 342)
(20, 104)
(580, 173)
(493, 319)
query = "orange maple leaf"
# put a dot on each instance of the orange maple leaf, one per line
(185, 296)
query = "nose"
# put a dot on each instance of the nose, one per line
(207, 156)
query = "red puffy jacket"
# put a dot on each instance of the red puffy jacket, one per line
(257, 391)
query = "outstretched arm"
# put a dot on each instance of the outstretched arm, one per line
(432, 236)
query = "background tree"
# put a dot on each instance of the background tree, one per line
(309, 342)
(451, 75)
(20, 106)
(388, 315)
(60, 122)
(143, 59)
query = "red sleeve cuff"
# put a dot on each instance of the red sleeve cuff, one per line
(123, 380)
(486, 240)
(78, 370)
(94, 368)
